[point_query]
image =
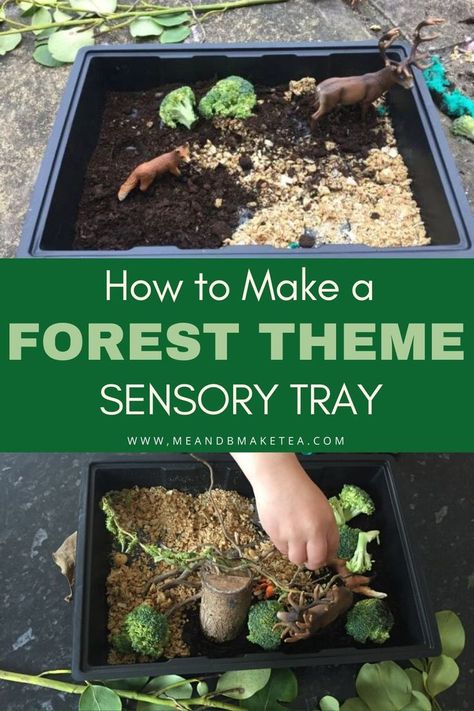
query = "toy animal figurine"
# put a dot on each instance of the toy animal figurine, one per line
(366, 88)
(145, 173)
(305, 620)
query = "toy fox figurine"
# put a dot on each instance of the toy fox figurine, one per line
(145, 173)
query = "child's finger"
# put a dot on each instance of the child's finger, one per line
(282, 546)
(297, 552)
(317, 552)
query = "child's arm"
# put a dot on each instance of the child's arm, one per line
(292, 509)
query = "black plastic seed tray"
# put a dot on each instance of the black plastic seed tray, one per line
(49, 228)
(397, 572)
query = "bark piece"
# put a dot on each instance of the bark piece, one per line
(225, 604)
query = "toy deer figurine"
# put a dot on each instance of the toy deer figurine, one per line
(366, 88)
(145, 173)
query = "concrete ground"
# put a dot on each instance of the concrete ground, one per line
(30, 93)
(39, 508)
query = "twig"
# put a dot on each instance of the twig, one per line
(216, 508)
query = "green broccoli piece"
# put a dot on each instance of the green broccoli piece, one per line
(370, 619)
(178, 107)
(120, 641)
(337, 510)
(348, 539)
(261, 621)
(464, 126)
(361, 560)
(232, 97)
(355, 501)
(148, 630)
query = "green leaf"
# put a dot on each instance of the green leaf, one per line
(177, 687)
(281, 687)
(2, 15)
(42, 16)
(418, 702)
(384, 686)
(28, 8)
(442, 674)
(60, 16)
(98, 7)
(177, 18)
(9, 42)
(354, 704)
(202, 688)
(43, 56)
(416, 679)
(329, 703)
(419, 664)
(175, 35)
(99, 698)
(145, 27)
(451, 631)
(242, 684)
(65, 44)
(134, 683)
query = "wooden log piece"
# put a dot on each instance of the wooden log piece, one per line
(225, 604)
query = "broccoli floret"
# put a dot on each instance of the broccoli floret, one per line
(464, 126)
(361, 560)
(148, 630)
(261, 621)
(120, 641)
(348, 538)
(232, 97)
(370, 619)
(337, 510)
(178, 107)
(355, 501)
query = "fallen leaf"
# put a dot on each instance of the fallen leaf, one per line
(65, 559)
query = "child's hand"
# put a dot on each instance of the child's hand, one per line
(292, 509)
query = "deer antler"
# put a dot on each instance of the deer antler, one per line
(386, 41)
(419, 39)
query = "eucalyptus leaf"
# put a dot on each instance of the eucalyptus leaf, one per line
(145, 27)
(416, 679)
(442, 674)
(2, 15)
(202, 688)
(9, 42)
(98, 7)
(28, 9)
(42, 37)
(281, 687)
(60, 16)
(42, 16)
(175, 35)
(384, 686)
(174, 686)
(354, 704)
(135, 683)
(242, 684)
(329, 703)
(451, 631)
(173, 20)
(419, 664)
(65, 44)
(99, 698)
(43, 56)
(418, 702)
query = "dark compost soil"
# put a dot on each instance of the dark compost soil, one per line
(204, 206)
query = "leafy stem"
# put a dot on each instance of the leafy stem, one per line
(70, 688)
(125, 15)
